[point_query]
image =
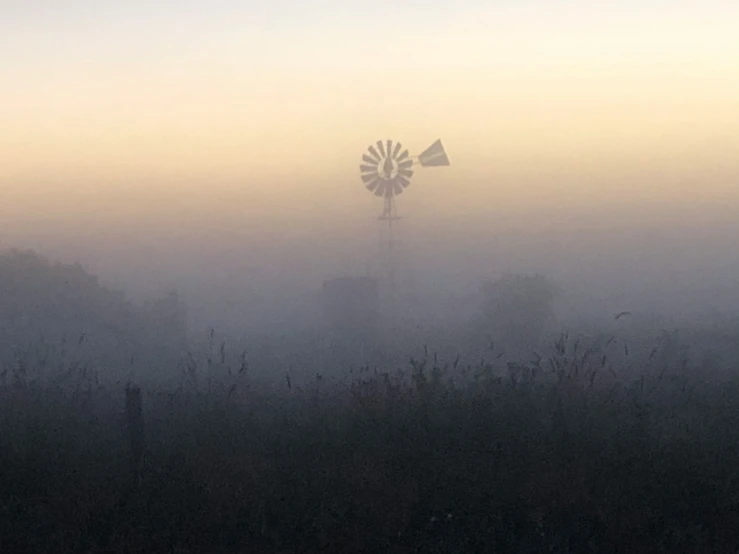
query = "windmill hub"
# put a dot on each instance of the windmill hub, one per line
(389, 169)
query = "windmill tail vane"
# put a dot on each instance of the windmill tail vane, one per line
(434, 156)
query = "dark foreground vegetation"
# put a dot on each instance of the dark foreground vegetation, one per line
(559, 456)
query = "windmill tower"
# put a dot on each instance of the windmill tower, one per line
(386, 171)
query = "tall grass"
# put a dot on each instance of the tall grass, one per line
(557, 454)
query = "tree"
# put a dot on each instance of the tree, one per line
(59, 314)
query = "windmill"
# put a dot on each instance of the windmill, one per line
(386, 171)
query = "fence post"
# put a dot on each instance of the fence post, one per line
(135, 425)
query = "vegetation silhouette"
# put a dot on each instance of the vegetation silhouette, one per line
(574, 451)
(60, 314)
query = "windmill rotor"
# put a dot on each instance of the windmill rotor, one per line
(386, 170)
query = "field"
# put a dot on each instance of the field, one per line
(566, 454)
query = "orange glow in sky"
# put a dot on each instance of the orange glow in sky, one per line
(238, 110)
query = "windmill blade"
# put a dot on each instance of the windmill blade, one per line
(389, 148)
(406, 163)
(397, 188)
(434, 155)
(380, 191)
(368, 168)
(369, 177)
(374, 153)
(403, 156)
(381, 147)
(369, 160)
(397, 149)
(408, 173)
(403, 181)
(372, 185)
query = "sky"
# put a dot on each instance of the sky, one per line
(145, 137)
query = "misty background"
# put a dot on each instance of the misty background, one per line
(213, 151)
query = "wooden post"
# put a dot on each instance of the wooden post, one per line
(135, 425)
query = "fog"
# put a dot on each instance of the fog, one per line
(237, 277)
(261, 290)
(657, 241)
(216, 153)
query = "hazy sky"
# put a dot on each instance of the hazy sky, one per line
(229, 125)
